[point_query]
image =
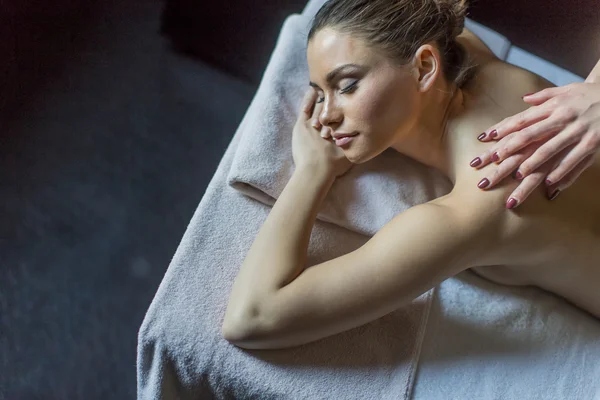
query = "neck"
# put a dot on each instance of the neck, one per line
(427, 140)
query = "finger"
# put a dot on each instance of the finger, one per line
(506, 168)
(325, 132)
(569, 162)
(487, 157)
(315, 116)
(525, 188)
(308, 102)
(570, 177)
(548, 150)
(540, 131)
(516, 123)
(545, 94)
(530, 183)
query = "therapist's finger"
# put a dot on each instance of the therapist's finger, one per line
(503, 170)
(508, 166)
(531, 182)
(545, 94)
(533, 133)
(490, 155)
(515, 123)
(570, 161)
(547, 151)
(527, 186)
(554, 190)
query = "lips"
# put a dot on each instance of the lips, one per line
(344, 140)
(343, 135)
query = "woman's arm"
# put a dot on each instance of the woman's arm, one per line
(411, 254)
(279, 252)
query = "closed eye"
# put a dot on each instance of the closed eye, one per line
(349, 88)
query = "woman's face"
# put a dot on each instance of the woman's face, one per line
(362, 92)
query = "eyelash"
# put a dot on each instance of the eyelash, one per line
(345, 90)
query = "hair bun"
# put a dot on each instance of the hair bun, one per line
(453, 12)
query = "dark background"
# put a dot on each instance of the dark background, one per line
(113, 118)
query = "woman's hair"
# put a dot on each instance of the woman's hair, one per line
(400, 27)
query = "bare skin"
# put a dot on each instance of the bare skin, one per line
(553, 245)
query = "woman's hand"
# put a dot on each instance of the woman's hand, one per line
(553, 141)
(312, 147)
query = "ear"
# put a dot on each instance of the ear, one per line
(427, 66)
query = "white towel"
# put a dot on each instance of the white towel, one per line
(364, 199)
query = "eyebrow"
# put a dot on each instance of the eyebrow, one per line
(337, 71)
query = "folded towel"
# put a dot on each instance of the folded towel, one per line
(364, 199)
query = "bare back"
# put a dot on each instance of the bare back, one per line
(554, 245)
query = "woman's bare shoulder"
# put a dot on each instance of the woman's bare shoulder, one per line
(505, 85)
(500, 81)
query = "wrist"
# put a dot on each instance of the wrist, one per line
(316, 173)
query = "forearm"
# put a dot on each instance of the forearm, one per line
(279, 252)
(594, 76)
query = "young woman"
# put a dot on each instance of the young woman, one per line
(405, 75)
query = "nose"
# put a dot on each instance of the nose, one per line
(331, 114)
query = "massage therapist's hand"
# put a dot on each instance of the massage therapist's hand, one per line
(311, 146)
(553, 141)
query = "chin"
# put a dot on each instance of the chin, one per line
(358, 156)
(361, 154)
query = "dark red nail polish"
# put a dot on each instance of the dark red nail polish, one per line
(475, 162)
(548, 182)
(518, 175)
(493, 134)
(554, 194)
(483, 183)
(481, 137)
(511, 203)
(495, 157)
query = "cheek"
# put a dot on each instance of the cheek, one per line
(384, 108)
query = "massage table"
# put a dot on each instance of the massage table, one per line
(468, 338)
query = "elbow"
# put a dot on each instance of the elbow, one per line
(250, 331)
(238, 324)
(243, 336)
(242, 328)
(233, 333)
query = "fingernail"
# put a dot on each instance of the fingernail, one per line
(483, 183)
(481, 137)
(493, 134)
(554, 194)
(528, 94)
(518, 175)
(495, 157)
(511, 203)
(548, 182)
(475, 162)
